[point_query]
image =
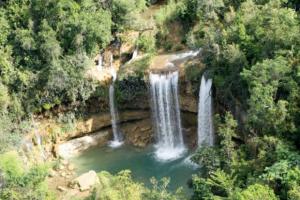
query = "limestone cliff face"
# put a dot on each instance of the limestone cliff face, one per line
(100, 121)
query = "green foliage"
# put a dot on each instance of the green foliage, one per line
(226, 132)
(11, 133)
(4, 29)
(146, 43)
(193, 74)
(169, 12)
(159, 191)
(264, 80)
(119, 187)
(208, 158)
(52, 44)
(22, 184)
(256, 191)
(131, 85)
(10, 166)
(122, 187)
(201, 189)
(294, 194)
(4, 98)
(222, 182)
(209, 9)
(125, 13)
(224, 156)
(170, 22)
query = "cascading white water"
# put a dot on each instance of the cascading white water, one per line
(184, 55)
(205, 118)
(134, 55)
(166, 114)
(118, 138)
(100, 63)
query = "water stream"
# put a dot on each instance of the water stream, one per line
(117, 135)
(134, 55)
(166, 115)
(100, 63)
(205, 119)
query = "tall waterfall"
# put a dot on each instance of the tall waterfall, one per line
(205, 118)
(166, 114)
(118, 138)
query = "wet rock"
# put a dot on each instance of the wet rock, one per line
(71, 167)
(188, 103)
(143, 134)
(64, 162)
(61, 188)
(63, 174)
(61, 167)
(52, 173)
(96, 122)
(87, 180)
(146, 129)
(73, 147)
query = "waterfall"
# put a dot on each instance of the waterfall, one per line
(205, 119)
(118, 138)
(134, 55)
(39, 143)
(166, 114)
(184, 55)
(100, 63)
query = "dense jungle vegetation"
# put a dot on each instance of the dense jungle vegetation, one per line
(251, 49)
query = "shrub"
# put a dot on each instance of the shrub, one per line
(255, 192)
(21, 184)
(11, 167)
(146, 43)
(4, 98)
(208, 158)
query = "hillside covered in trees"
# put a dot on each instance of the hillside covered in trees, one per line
(249, 48)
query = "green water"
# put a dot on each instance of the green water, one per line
(141, 162)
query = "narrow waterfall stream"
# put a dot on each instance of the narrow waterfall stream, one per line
(205, 119)
(118, 138)
(166, 114)
(134, 55)
(100, 63)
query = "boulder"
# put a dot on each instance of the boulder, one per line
(52, 173)
(73, 147)
(63, 174)
(61, 188)
(65, 162)
(71, 167)
(87, 180)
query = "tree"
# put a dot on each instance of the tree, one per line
(266, 113)
(226, 132)
(125, 13)
(256, 191)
